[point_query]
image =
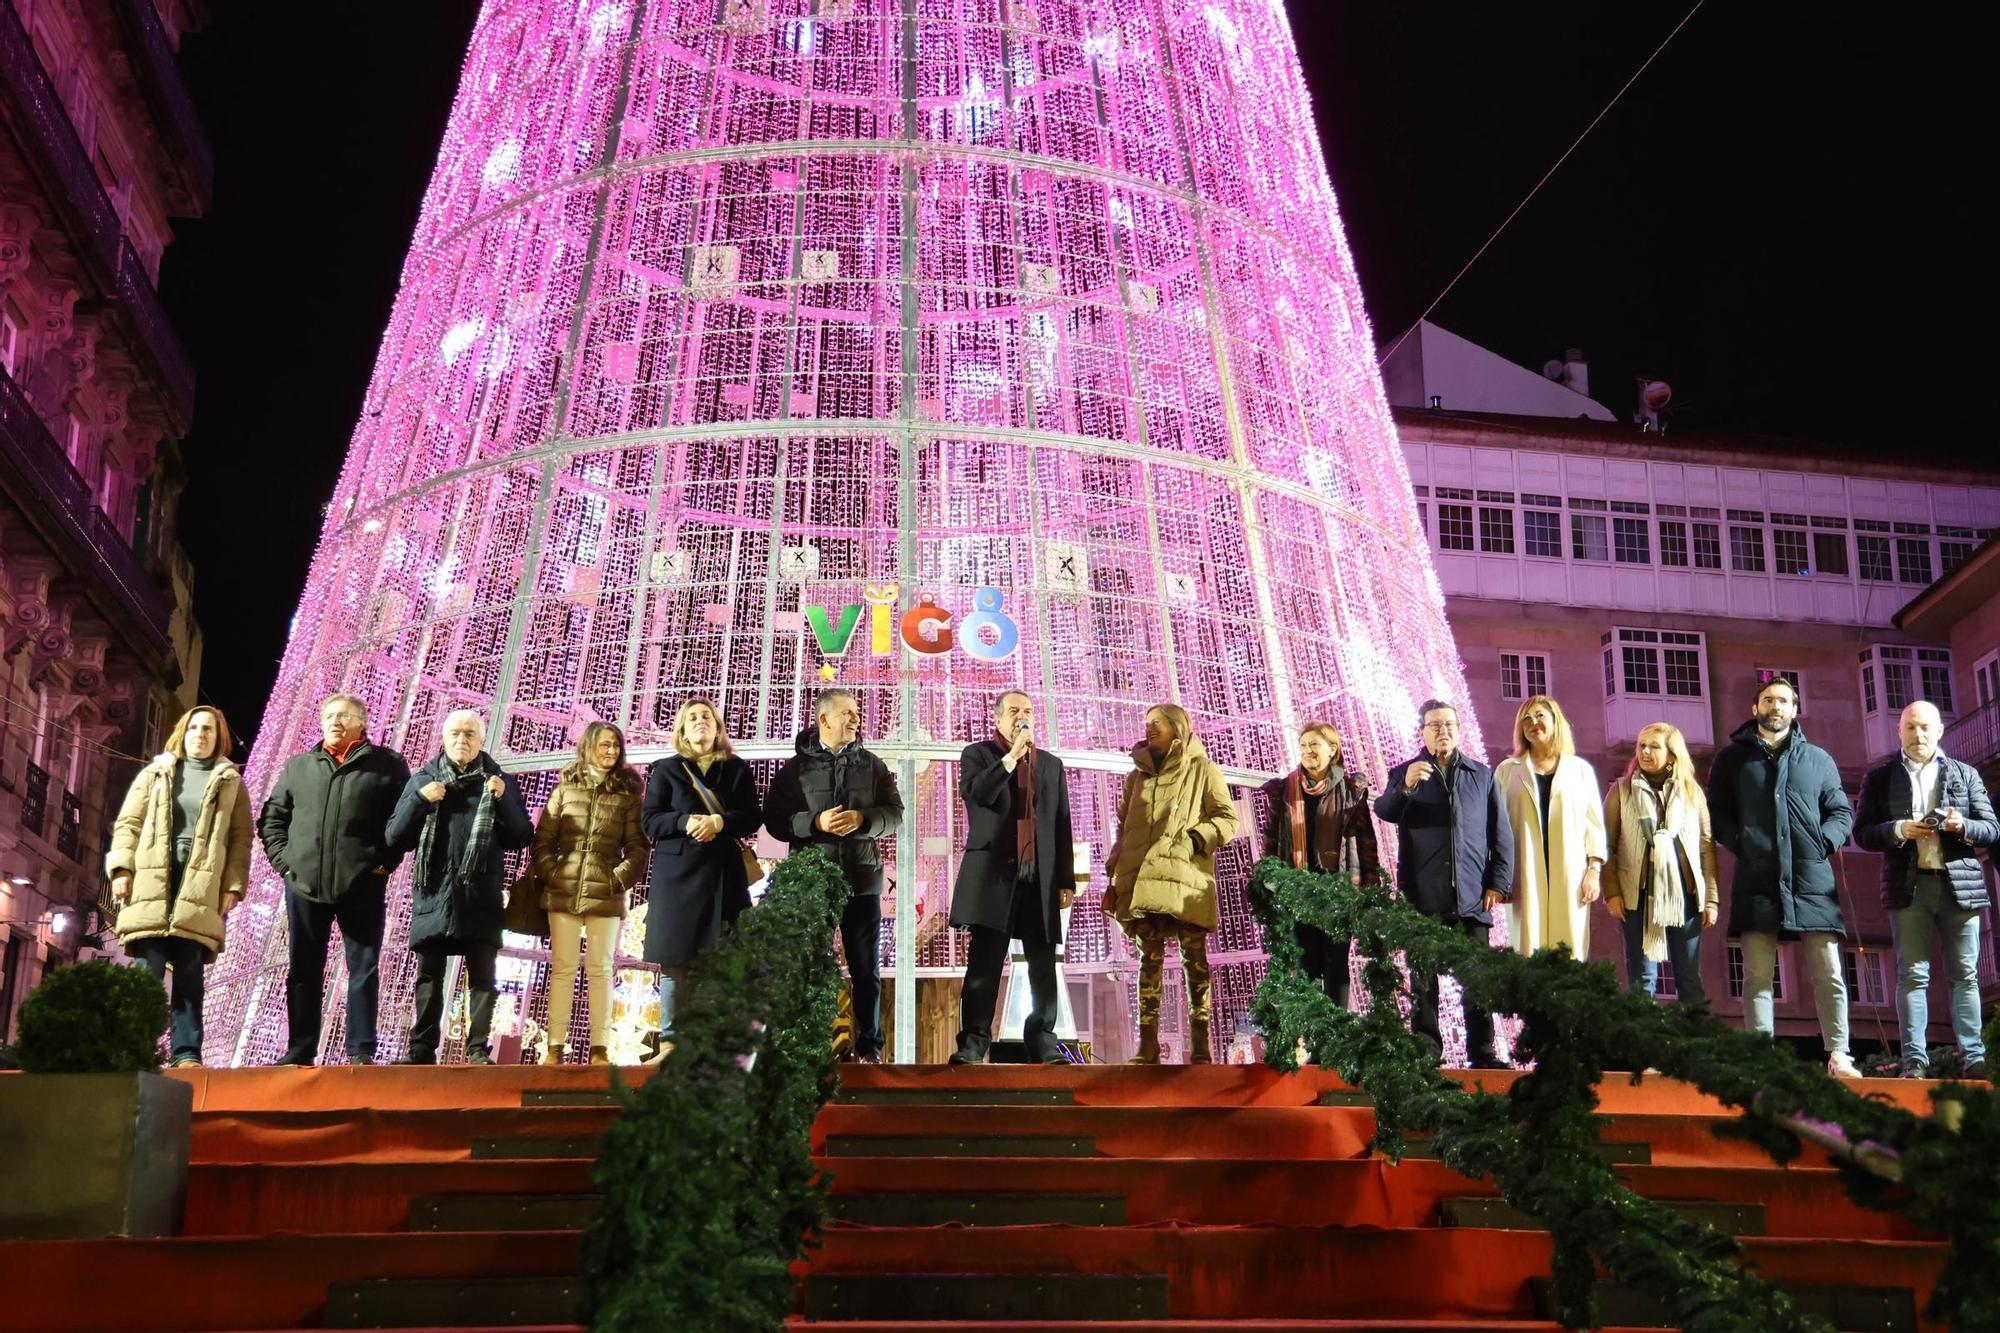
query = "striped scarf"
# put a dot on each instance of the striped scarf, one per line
(478, 842)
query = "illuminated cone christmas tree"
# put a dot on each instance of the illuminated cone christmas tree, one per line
(742, 345)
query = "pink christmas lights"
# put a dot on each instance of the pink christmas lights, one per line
(712, 333)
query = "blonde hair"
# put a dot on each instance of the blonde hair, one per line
(1329, 733)
(176, 744)
(1681, 763)
(1565, 741)
(586, 747)
(1176, 717)
(722, 748)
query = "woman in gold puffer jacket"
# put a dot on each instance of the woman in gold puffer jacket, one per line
(1172, 815)
(589, 848)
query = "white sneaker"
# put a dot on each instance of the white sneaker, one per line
(1839, 1065)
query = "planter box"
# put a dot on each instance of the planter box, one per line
(93, 1154)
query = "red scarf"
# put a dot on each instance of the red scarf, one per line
(339, 756)
(1296, 788)
(1024, 805)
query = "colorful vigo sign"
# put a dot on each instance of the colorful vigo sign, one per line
(986, 633)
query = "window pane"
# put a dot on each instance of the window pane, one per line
(1538, 675)
(1496, 531)
(1610, 675)
(1937, 686)
(1633, 545)
(1874, 555)
(1789, 548)
(1642, 671)
(1707, 546)
(1868, 688)
(1683, 670)
(1896, 685)
(1746, 550)
(1830, 553)
(1543, 532)
(1953, 554)
(1673, 543)
(1587, 537)
(1913, 560)
(1510, 676)
(1455, 527)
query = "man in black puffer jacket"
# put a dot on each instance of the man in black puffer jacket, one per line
(835, 795)
(1926, 812)
(1776, 802)
(325, 831)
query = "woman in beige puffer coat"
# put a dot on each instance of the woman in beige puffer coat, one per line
(589, 848)
(1172, 815)
(179, 862)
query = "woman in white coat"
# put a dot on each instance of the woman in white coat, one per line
(1556, 810)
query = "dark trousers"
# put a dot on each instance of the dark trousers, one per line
(981, 992)
(427, 1032)
(1478, 1022)
(1683, 953)
(1325, 961)
(310, 926)
(189, 960)
(860, 939)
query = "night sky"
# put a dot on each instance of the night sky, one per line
(1777, 218)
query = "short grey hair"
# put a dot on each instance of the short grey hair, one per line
(456, 713)
(825, 699)
(353, 701)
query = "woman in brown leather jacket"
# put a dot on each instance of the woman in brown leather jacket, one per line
(589, 848)
(1319, 820)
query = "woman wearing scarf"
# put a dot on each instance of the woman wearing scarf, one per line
(1557, 816)
(1662, 863)
(1319, 820)
(1174, 812)
(701, 802)
(458, 813)
(179, 862)
(588, 850)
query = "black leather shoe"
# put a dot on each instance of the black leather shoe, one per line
(961, 1058)
(419, 1058)
(479, 1055)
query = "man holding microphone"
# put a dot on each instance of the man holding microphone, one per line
(1016, 878)
(1455, 857)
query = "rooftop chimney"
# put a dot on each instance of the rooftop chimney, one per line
(1576, 371)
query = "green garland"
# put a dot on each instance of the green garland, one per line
(1538, 1142)
(708, 1181)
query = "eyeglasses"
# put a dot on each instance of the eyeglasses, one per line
(1440, 726)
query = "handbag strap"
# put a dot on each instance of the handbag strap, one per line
(701, 790)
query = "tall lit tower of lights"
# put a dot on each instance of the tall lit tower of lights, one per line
(725, 316)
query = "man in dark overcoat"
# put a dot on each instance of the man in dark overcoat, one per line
(1017, 877)
(456, 816)
(837, 795)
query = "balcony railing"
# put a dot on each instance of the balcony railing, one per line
(46, 128)
(1975, 737)
(106, 560)
(161, 74)
(35, 800)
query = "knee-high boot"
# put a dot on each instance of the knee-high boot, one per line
(1152, 961)
(1194, 966)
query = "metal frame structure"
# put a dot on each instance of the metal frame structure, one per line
(719, 311)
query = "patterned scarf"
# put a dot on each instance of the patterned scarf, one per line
(479, 842)
(1024, 805)
(1653, 807)
(1297, 788)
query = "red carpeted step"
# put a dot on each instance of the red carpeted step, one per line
(383, 1134)
(1292, 1273)
(802, 1325)
(1797, 1201)
(240, 1199)
(1293, 1132)
(1189, 1325)
(170, 1286)
(408, 1087)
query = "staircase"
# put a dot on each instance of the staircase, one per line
(997, 1198)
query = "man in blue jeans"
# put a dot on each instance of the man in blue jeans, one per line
(1925, 813)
